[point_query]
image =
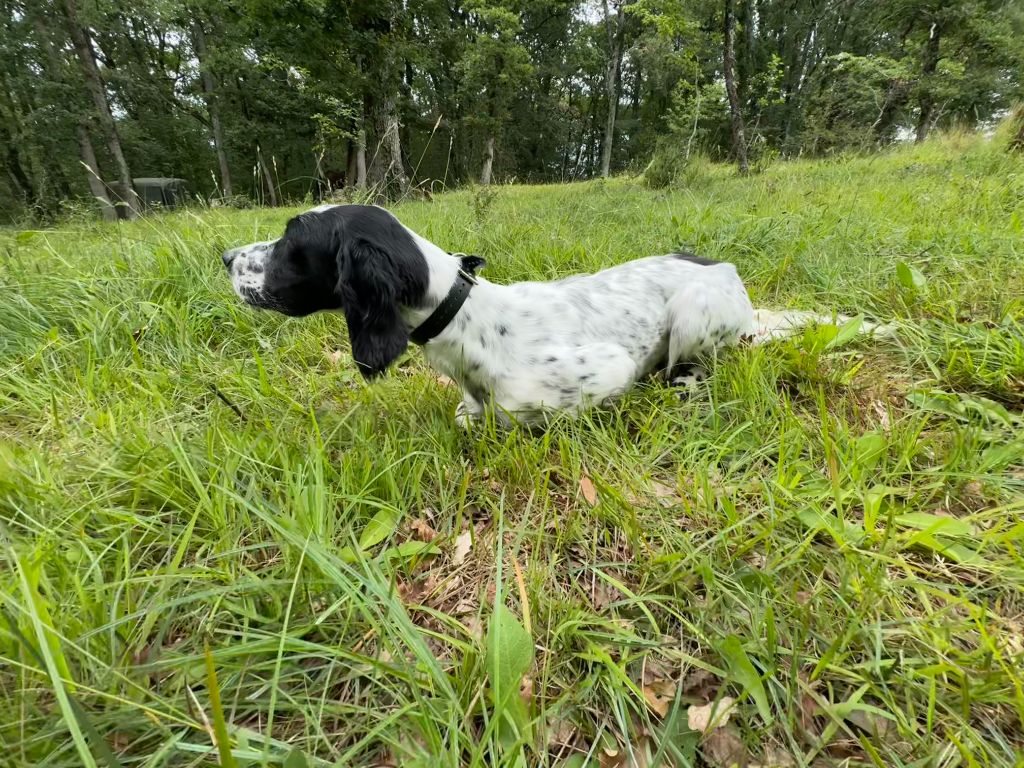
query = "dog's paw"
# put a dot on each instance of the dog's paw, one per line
(687, 378)
(463, 418)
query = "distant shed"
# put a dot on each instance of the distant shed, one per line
(154, 193)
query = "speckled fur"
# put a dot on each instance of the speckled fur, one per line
(534, 348)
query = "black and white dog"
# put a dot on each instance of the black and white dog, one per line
(528, 349)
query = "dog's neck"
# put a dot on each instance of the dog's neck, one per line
(442, 268)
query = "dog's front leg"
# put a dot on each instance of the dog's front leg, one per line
(468, 411)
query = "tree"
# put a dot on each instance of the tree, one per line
(615, 28)
(212, 105)
(94, 83)
(493, 72)
(739, 141)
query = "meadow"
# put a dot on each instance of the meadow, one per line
(221, 547)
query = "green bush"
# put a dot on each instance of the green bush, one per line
(670, 167)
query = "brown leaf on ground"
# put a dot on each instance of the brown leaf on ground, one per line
(463, 545)
(659, 696)
(808, 709)
(667, 495)
(775, 757)
(656, 669)
(422, 530)
(444, 381)
(710, 716)
(869, 722)
(561, 733)
(699, 683)
(334, 356)
(604, 595)
(526, 690)
(588, 490)
(725, 749)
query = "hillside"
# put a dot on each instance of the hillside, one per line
(828, 533)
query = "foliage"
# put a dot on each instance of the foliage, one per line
(302, 86)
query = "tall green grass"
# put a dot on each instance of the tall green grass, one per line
(220, 547)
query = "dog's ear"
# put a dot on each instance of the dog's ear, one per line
(370, 288)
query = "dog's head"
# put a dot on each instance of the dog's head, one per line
(356, 258)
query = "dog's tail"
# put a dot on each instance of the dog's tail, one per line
(771, 324)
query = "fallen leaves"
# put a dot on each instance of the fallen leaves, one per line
(588, 490)
(710, 716)
(725, 749)
(463, 546)
(422, 530)
(659, 695)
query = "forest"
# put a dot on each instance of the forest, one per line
(259, 102)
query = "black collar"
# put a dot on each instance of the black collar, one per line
(447, 309)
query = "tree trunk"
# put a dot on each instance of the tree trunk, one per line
(268, 179)
(94, 83)
(928, 68)
(739, 142)
(393, 141)
(92, 170)
(485, 175)
(611, 83)
(361, 159)
(212, 107)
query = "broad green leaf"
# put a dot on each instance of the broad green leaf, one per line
(868, 450)
(946, 547)
(924, 521)
(381, 526)
(742, 671)
(408, 550)
(910, 276)
(846, 333)
(509, 655)
(295, 759)
(25, 237)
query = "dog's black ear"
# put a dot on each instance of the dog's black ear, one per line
(369, 284)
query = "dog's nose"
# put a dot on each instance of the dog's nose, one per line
(227, 257)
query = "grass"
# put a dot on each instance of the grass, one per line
(220, 547)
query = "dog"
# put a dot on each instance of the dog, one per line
(529, 349)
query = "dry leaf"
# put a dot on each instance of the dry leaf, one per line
(423, 530)
(659, 696)
(724, 749)
(588, 490)
(463, 545)
(774, 757)
(699, 683)
(444, 381)
(711, 716)
(334, 356)
(526, 690)
(666, 494)
(869, 722)
(656, 669)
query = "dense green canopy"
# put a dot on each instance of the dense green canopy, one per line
(267, 101)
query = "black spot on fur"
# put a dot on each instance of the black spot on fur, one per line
(502, 330)
(691, 257)
(551, 359)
